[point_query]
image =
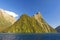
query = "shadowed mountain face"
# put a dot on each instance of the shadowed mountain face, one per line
(6, 20)
(27, 24)
(58, 29)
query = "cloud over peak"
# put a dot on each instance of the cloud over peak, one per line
(11, 13)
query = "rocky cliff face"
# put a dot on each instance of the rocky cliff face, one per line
(6, 20)
(30, 24)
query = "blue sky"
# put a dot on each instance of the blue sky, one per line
(50, 9)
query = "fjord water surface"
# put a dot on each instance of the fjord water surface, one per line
(18, 36)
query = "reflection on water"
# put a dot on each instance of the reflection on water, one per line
(46, 36)
(7, 36)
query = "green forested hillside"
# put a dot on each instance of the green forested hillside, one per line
(27, 24)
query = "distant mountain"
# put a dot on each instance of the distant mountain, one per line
(30, 24)
(58, 29)
(6, 20)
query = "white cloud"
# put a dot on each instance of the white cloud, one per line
(11, 13)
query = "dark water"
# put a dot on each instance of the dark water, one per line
(46, 36)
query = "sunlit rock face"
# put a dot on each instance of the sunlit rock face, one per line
(6, 20)
(8, 17)
(30, 24)
(46, 27)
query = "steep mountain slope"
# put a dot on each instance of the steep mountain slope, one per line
(58, 29)
(42, 22)
(27, 24)
(5, 20)
(7, 16)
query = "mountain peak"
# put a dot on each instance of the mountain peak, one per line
(38, 14)
(58, 29)
(7, 16)
(24, 15)
(27, 24)
(9, 12)
(6, 20)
